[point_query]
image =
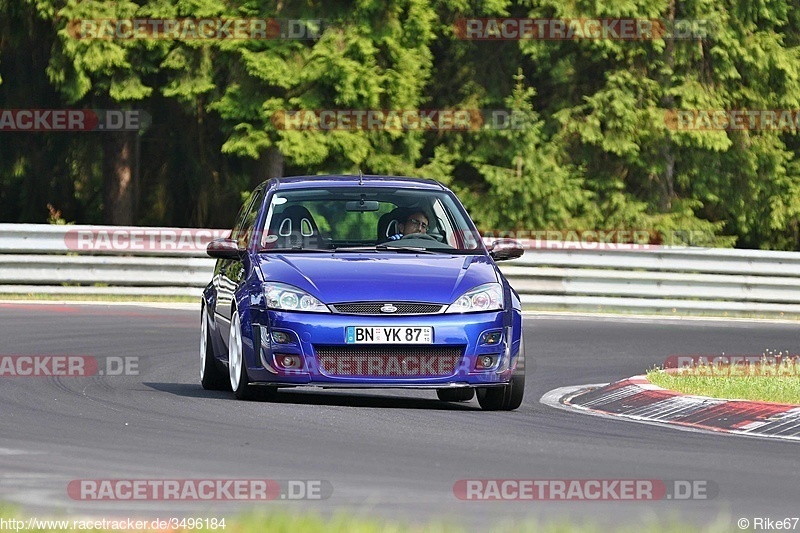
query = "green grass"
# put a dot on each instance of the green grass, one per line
(666, 312)
(781, 385)
(542, 309)
(99, 298)
(285, 522)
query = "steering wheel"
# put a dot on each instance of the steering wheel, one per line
(419, 236)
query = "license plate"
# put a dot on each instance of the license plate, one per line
(389, 335)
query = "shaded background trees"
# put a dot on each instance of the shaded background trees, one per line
(597, 152)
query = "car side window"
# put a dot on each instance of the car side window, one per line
(243, 230)
(443, 223)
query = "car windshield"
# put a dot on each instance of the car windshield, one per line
(358, 218)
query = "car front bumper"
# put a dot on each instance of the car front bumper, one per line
(318, 346)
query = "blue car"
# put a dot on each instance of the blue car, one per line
(361, 282)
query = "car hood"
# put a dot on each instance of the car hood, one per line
(349, 277)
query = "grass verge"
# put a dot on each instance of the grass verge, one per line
(283, 522)
(663, 313)
(99, 298)
(737, 384)
(666, 313)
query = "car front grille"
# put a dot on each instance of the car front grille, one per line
(389, 361)
(374, 308)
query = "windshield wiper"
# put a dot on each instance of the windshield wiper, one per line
(297, 248)
(408, 249)
(417, 249)
(354, 249)
(384, 248)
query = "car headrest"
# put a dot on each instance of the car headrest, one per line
(296, 220)
(387, 224)
(292, 227)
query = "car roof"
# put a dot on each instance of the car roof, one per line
(302, 182)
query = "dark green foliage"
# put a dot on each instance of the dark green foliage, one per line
(595, 150)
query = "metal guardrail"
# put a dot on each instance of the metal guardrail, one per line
(172, 261)
(660, 280)
(108, 260)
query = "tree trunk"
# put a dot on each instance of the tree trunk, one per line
(119, 184)
(274, 162)
(668, 183)
(268, 166)
(668, 102)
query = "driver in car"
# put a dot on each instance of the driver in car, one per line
(416, 222)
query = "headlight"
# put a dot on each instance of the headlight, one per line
(486, 297)
(288, 298)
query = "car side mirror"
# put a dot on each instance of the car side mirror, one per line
(223, 249)
(503, 249)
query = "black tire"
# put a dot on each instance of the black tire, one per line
(505, 398)
(455, 395)
(265, 393)
(212, 375)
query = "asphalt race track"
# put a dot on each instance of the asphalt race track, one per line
(391, 454)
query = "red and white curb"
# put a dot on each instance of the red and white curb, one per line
(639, 400)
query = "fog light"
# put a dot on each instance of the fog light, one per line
(492, 338)
(280, 337)
(484, 362)
(288, 362)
